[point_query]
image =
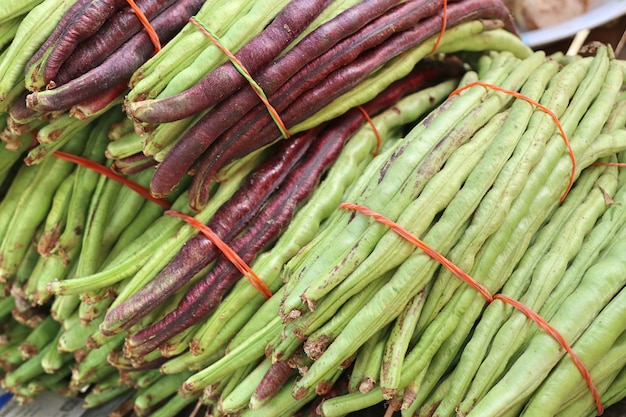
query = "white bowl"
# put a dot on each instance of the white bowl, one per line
(600, 12)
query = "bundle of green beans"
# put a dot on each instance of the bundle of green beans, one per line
(490, 246)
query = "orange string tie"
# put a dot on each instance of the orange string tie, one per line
(432, 253)
(230, 254)
(444, 23)
(540, 107)
(108, 172)
(379, 140)
(244, 72)
(154, 37)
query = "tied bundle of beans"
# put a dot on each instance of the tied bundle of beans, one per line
(230, 314)
(247, 209)
(84, 51)
(490, 245)
(310, 78)
(24, 30)
(383, 165)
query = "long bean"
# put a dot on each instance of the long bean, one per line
(8, 31)
(585, 135)
(125, 263)
(55, 135)
(228, 221)
(500, 247)
(55, 220)
(405, 61)
(271, 77)
(250, 135)
(318, 337)
(162, 388)
(118, 66)
(249, 351)
(398, 344)
(484, 226)
(43, 334)
(267, 226)
(180, 69)
(570, 77)
(240, 396)
(170, 247)
(23, 177)
(84, 184)
(74, 334)
(81, 21)
(493, 327)
(371, 310)
(96, 46)
(255, 54)
(12, 10)
(33, 205)
(602, 235)
(362, 374)
(183, 37)
(609, 374)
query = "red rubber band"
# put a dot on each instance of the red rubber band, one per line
(154, 37)
(443, 27)
(106, 171)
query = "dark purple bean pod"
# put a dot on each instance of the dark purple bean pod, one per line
(401, 18)
(206, 93)
(132, 164)
(275, 377)
(99, 103)
(19, 113)
(76, 10)
(81, 27)
(230, 219)
(116, 358)
(113, 33)
(332, 44)
(120, 65)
